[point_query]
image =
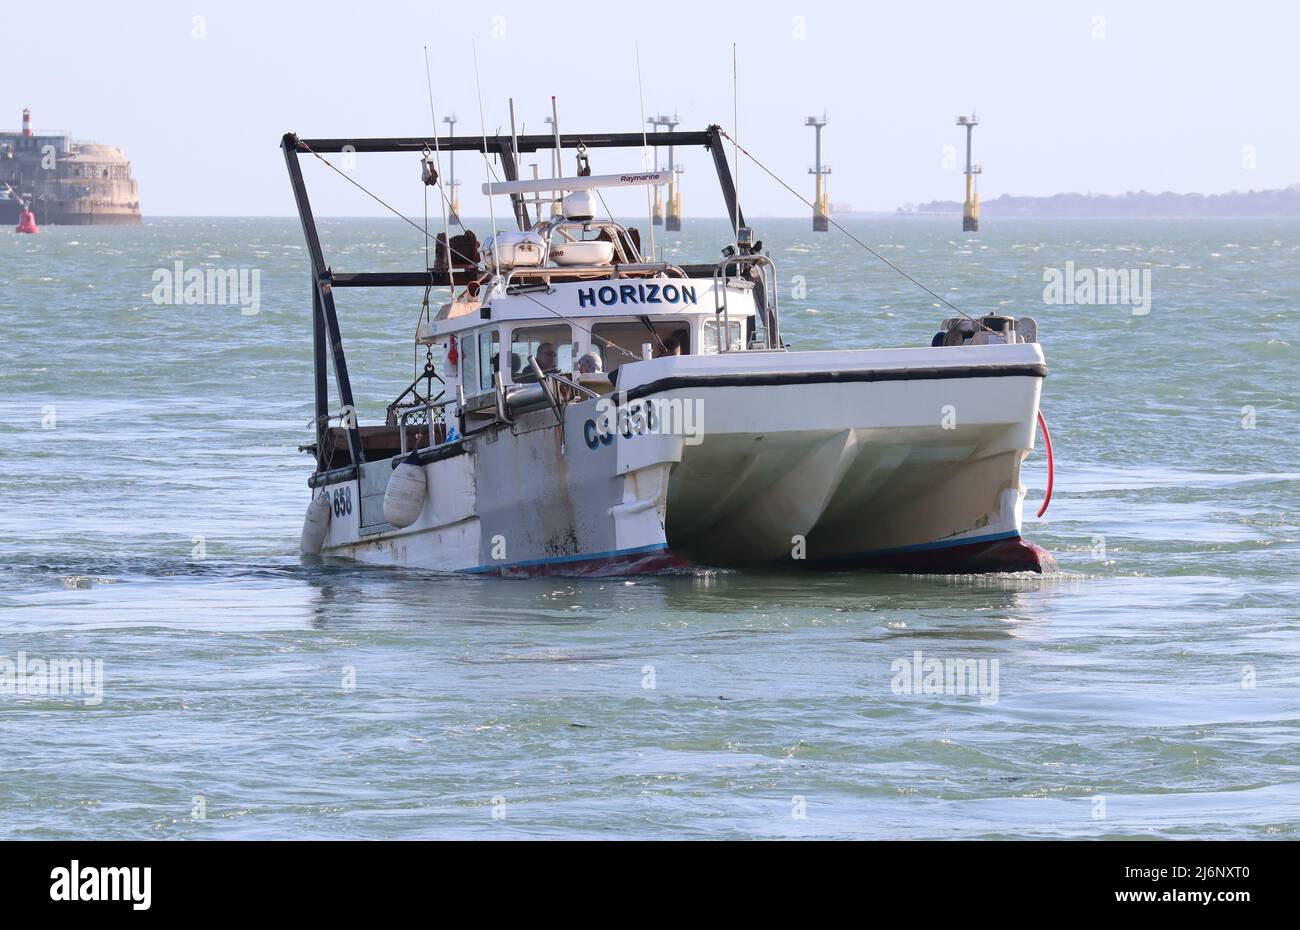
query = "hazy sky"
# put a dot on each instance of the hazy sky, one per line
(1099, 96)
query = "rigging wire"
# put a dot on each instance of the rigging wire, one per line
(424, 305)
(437, 148)
(461, 255)
(773, 176)
(645, 152)
(376, 198)
(425, 313)
(487, 165)
(735, 146)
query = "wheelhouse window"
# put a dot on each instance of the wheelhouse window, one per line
(551, 344)
(665, 337)
(709, 336)
(489, 358)
(478, 361)
(469, 363)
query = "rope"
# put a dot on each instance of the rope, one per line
(770, 174)
(405, 219)
(1051, 463)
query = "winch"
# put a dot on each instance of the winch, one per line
(993, 329)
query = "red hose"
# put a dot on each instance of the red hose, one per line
(1051, 464)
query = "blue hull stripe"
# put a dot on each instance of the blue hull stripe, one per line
(923, 547)
(659, 547)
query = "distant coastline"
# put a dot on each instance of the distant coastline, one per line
(1260, 204)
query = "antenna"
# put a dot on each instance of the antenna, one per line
(521, 207)
(645, 152)
(735, 145)
(487, 166)
(556, 167)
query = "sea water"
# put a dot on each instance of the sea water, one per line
(185, 674)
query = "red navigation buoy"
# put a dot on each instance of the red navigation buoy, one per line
(27, 222)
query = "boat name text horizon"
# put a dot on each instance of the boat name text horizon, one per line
(637, 294)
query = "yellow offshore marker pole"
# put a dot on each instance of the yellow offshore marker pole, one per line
(821, 199)
(454, 196)
(674, 219)
(659, 218)
(970, 211)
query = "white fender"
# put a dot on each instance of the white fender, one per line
(316, 525)
(404, 496)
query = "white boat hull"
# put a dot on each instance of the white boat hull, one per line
(894, 459)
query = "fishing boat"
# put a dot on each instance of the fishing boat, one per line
(599, 410)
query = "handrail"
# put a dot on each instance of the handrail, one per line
(618, 233)
(560, 379)
(541, 382)
(721, 281)
(428, 408)
(401, 422)
(502, 407)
